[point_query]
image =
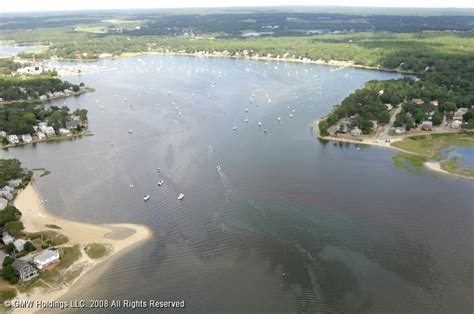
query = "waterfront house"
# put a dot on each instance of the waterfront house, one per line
(26, 138)
(389, 106)
(13, 139)
(49, 131)
(3, 134)
(45, 258)
(356, 131)
(24, 270)
(19, 245)
(426, 125)
(43, 97)
(71, 124)
(3, 204)
(434, 103)
(7, 238)
(41, 135)
(63, 131)
(7, 192)
(14, 183)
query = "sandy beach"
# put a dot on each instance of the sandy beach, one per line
(120, 237)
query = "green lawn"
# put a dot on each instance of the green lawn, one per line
(96, 250)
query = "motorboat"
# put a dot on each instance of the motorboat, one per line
(246, 120)
(291, 115)
(160, 183)
(181, 196)
(146, 198)
(259, 123)
(131, 186)
(279, 119)
(234, 128)
(130, 131)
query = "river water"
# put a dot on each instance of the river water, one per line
(288, 224)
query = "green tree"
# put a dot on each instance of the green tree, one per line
(10, 248)
(9, 274)
(29, 246)
(437, 118)
(14, 227)
(8, 260)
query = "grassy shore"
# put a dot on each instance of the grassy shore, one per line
(56, 138)
(427, 150)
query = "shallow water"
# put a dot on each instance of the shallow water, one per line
(289, 224)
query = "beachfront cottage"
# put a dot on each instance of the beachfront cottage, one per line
(417, 101)
(7, 238)
(356, 131)
(3, 203)
(14, 183)
(24, 270)
(13, 139)
(46, 257)
(49, 131)
(26, 138)
(7, 192)
(19, 245)
(64, 132)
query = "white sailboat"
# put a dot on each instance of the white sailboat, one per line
(181, 196)
(146, 197)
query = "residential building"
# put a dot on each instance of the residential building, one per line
(26, 138)
(19, 245)
(41, 135)
(389, 106)
(3, 134)
(400, 130)
(63, 131)
(13, 139)
(46, 257)
(426, 125)
(14, 183)
(49, 131)
(7, 238)
(24, 270)
(434, 103)
(7, 192)
(458, 115)
(356, 131)
(71, 124)
(2, 258)
(456, 124)
(3, 203)
(417, 101)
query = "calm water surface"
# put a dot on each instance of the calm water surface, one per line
(290, 224)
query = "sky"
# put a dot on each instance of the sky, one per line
(61, 5)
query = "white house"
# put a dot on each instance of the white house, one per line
(35, 69)
(7, 238)
(13, 139)
(19, 245)
(356, 131)
(41, 135)
(26, 138)
(3, 134)
(49, 131)
(64, 131)
(45, 258)
(456, 124)
(389, 106)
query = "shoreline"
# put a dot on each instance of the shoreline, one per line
(430, 165)
(219, 54)
(35, 216)
(56, 138)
